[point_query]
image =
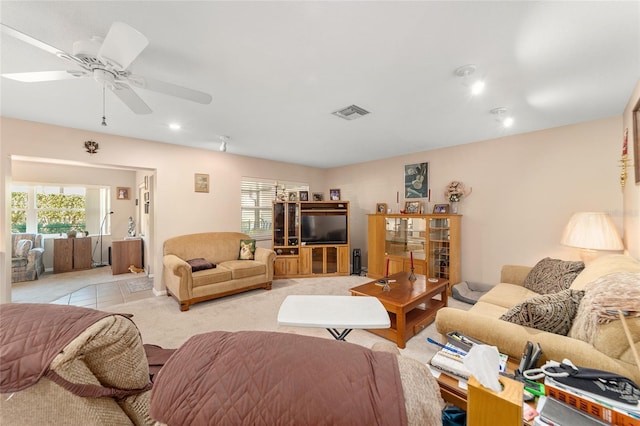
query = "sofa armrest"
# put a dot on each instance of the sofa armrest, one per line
(177, 276)
(514, 274)
(268, 257)
(35, 255)
(511, 339)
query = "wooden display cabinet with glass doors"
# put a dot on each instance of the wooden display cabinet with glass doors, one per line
(433, 240)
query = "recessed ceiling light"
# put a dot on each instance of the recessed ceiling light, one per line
(175, 126)
(501, 116)
(475, 84)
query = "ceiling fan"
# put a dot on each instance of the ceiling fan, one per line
(107, 61)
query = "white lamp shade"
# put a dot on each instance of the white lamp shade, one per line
(592, 230)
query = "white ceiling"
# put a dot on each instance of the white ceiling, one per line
(276, 71)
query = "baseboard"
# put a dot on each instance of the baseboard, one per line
(159, 293)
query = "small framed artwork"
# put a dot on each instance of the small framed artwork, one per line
(293, 196)
(318, 196)
(441, 208)
(412, 207)
(381, 208)
(122, 193)
(334, 194)
(304, 195)
(201, 182)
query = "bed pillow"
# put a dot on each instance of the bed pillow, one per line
(247, 250)
(553, 313)
(23, 247)
(200, 264)
(552, 275)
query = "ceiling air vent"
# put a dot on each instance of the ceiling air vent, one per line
(351, 112)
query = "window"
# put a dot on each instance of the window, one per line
(57, 209)
(256, 204)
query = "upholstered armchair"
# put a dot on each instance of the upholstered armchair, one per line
(26, 257)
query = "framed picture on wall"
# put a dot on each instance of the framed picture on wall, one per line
(636, 142)
(416, 183)
(201, 182)
(122, 193)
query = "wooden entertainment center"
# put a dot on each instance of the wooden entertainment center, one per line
(298, 253)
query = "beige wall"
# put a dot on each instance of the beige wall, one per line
(525, 188)
(632, 189)
(177, 208)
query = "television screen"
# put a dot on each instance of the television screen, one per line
(324, 229)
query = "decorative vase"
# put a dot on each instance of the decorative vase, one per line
(454, 207)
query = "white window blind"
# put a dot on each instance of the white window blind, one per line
(257, 195)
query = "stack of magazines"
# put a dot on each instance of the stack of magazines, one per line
(449, 361)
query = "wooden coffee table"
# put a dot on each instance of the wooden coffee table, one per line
(411, 304)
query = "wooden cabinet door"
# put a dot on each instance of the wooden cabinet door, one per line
(343, 260)
(292, 266)
(280, 267)
(62, 255)
(305, 261)
(81, 253)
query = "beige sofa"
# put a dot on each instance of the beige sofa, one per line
(610, 351)
(228, 277)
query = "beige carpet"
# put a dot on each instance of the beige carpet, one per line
(161, 322)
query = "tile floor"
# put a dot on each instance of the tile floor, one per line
(99, 296)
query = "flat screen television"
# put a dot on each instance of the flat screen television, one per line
(323, 229)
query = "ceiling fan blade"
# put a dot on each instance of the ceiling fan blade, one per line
(36, 77)
(170, 89)
(131, 99)
(122, 45)
(40, 44)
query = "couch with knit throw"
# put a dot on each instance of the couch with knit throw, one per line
(198, 267)
(26, 257)
(80, 366)
(569, 309)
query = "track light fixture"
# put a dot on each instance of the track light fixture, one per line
(223, 143)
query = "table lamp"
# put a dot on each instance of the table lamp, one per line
(591, 232)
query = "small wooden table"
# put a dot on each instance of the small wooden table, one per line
(333, 313)
(411, 304)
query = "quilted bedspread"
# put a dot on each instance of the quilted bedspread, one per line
(268, 378)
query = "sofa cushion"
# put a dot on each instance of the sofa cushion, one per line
(605, 265)
(247, 250)
(552, 275)
(200, 264)
(603, 298)
(23, 247)
(553, 313)
(245, 268)
(507, 295)
(211, 276)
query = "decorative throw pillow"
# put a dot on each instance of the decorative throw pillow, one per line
(23, 247)
(247, 250)
(552, 275)
(553, 313)
(200, 264)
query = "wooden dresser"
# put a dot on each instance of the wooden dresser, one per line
(71, 254)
